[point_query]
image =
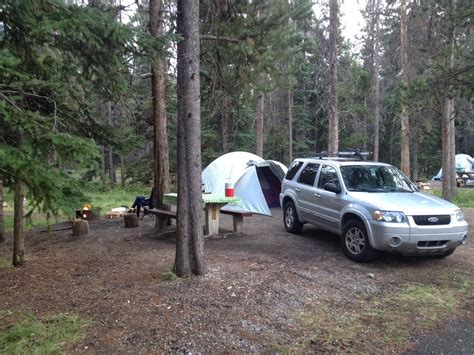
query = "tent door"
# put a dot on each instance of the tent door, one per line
(270, 185)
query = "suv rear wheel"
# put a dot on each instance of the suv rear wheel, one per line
(290, 218)
(355, 242)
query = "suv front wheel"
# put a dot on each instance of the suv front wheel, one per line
(290, 218)
(355, 242)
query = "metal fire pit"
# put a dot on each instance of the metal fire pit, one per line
(88, 213)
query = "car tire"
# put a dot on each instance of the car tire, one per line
(290, 218)
(355, 242)
(445, 255)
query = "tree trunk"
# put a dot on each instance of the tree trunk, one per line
(2, 223)
(190, 257)
(290, 125)
(161, 181)
(130, 220)
(376, 81)
(122, 172)
(224, 125)
(80, 227)
(103, 169)
(415, 152)
(18, 237)
(333, 134)
(259, 124)
(110, 149)
(448, 126)
(405, 127)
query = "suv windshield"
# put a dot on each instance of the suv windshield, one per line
(375, 178)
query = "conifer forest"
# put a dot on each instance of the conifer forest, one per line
(108, 104)
(89, 89)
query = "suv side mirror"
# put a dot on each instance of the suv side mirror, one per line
(336, 188)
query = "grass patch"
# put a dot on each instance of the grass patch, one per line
(169, 276)
(104, 200)
(30, 335)
(118, 197)
(464, 197)
(384, 323)
(35, 221)
(4, 263)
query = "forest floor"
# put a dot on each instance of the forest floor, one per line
(266, 291)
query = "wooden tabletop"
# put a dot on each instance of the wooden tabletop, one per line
(172, 199)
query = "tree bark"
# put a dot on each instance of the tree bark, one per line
(110, 149)
(80, 227)
(18, 237)
(259, 124)
(333, 134)
(2, 223)
(290, 125)
(161, 180)
(448, 123)
(224, 125)
(130, 220)
(376, 80)
(405, 124)
(122, 172)
(415, 151)
(103, 169)
(190, 257)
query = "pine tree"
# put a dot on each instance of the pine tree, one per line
(190, 258)
(54, 59)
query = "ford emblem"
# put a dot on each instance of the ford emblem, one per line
(433, 220)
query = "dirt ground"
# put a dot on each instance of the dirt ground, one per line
(258, 285)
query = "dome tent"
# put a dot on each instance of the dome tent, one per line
(256, 181)
(464, 163)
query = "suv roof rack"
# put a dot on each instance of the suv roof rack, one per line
(348, 154)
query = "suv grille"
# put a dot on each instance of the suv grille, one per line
(432, 220)
(432, 243)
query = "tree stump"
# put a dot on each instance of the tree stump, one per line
(80, 227)
(130, 220)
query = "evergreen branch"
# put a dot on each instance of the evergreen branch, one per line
(11, 102)
(32, 95)
(48, 99)
(220, 38)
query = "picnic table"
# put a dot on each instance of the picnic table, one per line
(212, 205)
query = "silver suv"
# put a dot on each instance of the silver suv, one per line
(371, 206)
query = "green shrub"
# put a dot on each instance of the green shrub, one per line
(4, 263)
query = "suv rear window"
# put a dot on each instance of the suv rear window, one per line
(308, 175)
(293, 170)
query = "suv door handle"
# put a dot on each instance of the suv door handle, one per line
(317, 195)
(297, 189)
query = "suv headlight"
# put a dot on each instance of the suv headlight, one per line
(390, 216)
(459, 215)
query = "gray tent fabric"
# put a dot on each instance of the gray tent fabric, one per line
(464, 163)
(256, 181)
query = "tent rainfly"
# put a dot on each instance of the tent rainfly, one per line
(256, 181)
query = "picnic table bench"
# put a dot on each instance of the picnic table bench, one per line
(160, 213)
(238, 218)
(211, 204)
(163, 217)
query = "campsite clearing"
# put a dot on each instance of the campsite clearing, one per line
(265, 290)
